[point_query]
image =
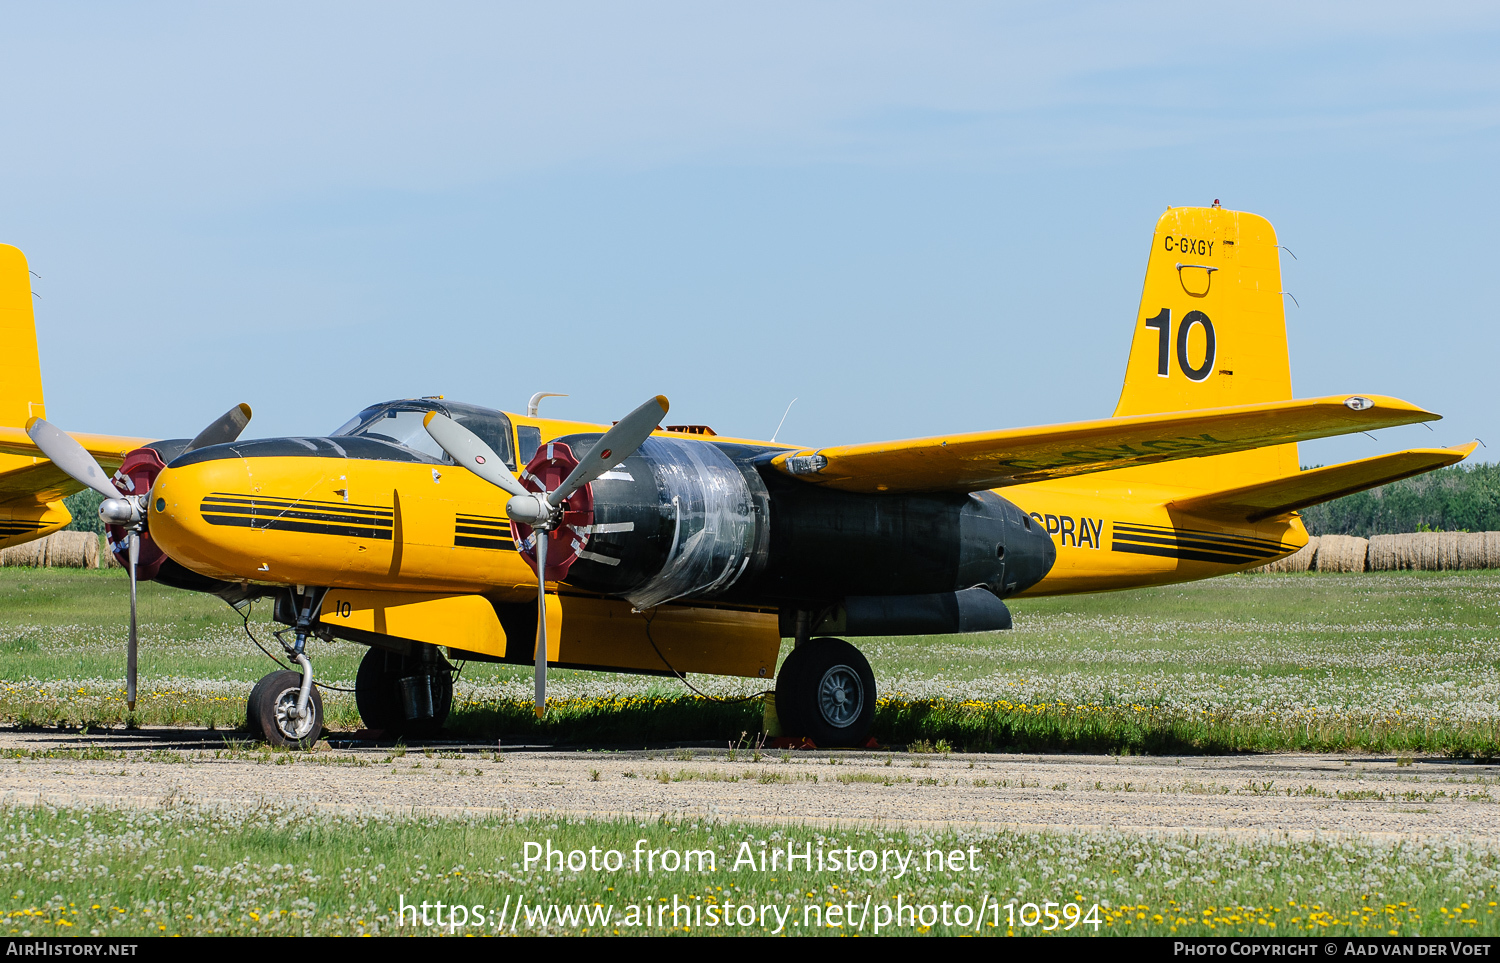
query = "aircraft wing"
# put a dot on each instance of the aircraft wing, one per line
(1280, 496)
(36, 483)
(108, 450)
(994, 459)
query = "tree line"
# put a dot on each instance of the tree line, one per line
(1460, 498)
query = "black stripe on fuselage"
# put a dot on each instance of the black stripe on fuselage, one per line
(1248, 541)
(8, 529)
(341, 509)
(307, 517)
(1192, 545)
(482, 531)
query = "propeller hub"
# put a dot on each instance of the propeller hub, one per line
(530, 510)
(124, 511)
(134, 481)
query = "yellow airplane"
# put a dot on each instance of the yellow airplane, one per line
(434, 532)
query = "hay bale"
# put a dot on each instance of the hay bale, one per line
(58, 550)
(1471, 554)
(1448, 557)
(25, 555)
(1435, 551)
(72, 550)
(1383, 553)
(1420, 551)
(1341, 553)
(1298, 561)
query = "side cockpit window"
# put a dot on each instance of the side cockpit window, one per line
(529, 437)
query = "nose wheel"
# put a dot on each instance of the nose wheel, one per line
(273, 711)
(826, 692)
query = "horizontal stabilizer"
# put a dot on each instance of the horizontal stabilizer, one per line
(1280, 496)
(1016, 456)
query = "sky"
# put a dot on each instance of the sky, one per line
(912, 218)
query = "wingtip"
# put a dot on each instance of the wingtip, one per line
(1388, 402)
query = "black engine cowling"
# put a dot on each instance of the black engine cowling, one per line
(683, 518)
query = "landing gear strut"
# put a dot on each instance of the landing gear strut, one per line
(284, 706)
(826, 692)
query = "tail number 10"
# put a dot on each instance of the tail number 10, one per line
(1163, 325)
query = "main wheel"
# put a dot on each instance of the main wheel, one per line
(826, 692)
(403, 696)
(272, 702)
(375, 690)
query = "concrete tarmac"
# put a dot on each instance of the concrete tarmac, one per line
(1386, 797)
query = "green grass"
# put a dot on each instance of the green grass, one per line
(191, 870)
(1401, 663)
(1390, 662)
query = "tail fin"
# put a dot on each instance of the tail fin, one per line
(1211, 332)
(30, 489)
(20, 368)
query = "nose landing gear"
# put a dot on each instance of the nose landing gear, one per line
(284, 707)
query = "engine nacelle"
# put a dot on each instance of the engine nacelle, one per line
(677, 519)
(683, 518)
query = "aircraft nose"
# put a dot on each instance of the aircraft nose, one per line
(176, 521)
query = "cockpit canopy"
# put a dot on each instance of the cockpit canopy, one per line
(400, 423)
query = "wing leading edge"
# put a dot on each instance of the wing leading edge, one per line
(994, 459)
(108, 450)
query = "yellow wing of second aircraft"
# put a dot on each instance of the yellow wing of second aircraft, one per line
(108, 450)
(993, 459)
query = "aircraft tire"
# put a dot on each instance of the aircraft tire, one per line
(270, 700)
(375, 690)
(252, 723)
(825, 691)
(377, 694)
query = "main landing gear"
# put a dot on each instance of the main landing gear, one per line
(826, 692)
(405, 695)
(284, 707)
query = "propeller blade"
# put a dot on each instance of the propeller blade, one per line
(541, 622)
(470, 451)
(225, 428)
(71, 457)
(619, 443)
(135, 557)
